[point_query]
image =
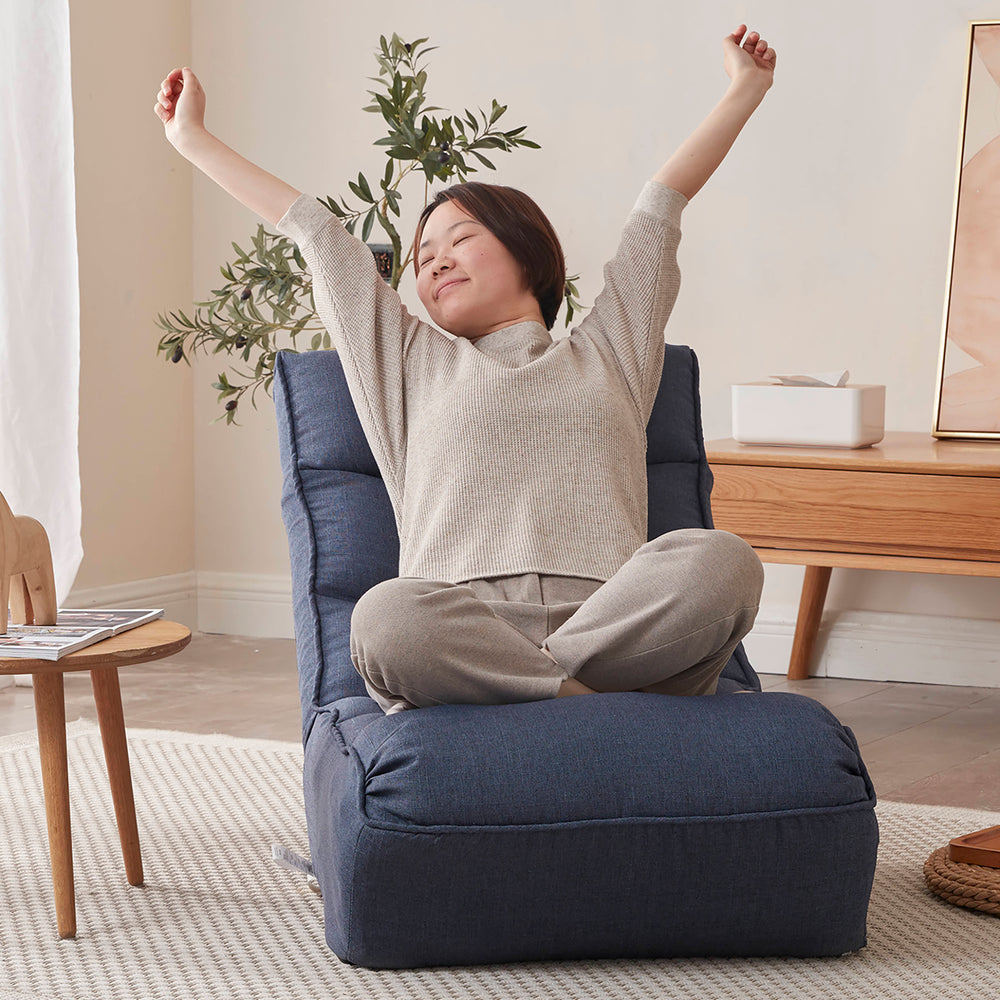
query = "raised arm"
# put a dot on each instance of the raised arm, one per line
(750, 63)
(180, 105)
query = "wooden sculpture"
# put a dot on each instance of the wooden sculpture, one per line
(26, 579)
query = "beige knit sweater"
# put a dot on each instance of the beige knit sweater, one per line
(514, 453)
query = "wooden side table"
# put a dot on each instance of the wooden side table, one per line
(910, 503)
(151, 641)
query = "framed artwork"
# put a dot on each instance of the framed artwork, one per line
(967, 401)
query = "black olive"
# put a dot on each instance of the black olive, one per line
(178, 354)
(231, 405)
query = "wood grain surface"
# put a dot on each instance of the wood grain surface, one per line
(151, 641)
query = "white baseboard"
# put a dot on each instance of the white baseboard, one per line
(228, 603)
(177, 595)
(865, 645)
(882, 646)
(245, 604)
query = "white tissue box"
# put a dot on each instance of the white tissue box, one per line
(851, 416)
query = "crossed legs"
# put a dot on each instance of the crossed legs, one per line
(666, 622)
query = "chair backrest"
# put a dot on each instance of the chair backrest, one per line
(341, 529)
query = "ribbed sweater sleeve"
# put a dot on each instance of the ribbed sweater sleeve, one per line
(369, 326)
(641, 282)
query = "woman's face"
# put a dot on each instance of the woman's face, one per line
(468, 281)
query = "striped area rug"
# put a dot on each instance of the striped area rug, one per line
(218, 919)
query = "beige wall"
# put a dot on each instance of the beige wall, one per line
(134, 233)
(821, 243)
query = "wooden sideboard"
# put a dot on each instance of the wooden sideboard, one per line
(910, 503)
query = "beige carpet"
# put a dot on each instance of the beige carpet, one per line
(217, 918)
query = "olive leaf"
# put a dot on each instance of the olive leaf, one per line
(266, 303)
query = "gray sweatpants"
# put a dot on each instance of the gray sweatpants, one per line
(666, 622)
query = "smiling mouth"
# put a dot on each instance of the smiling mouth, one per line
(448, 284)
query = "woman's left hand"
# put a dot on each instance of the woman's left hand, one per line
(750, 60)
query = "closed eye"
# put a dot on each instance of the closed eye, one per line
(430, 260)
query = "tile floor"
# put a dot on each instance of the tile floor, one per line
(922, 743)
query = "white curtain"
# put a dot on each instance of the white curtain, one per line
(39, 278)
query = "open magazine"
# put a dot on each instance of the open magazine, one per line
(73, 630)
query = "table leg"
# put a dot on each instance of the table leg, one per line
(814, 587)
(108, 697)
(50, 714)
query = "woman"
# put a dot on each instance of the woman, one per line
(515, 464)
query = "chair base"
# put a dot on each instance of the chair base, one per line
(769, 872)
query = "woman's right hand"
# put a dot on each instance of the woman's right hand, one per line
(749, 61)
(180, 105)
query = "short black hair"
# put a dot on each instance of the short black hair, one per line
(521, 226)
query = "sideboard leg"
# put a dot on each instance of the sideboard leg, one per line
(814, 587)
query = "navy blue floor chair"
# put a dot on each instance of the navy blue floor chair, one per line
(610, 825)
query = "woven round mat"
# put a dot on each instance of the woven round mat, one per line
(974, 886)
